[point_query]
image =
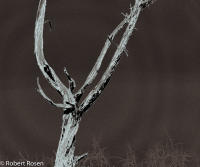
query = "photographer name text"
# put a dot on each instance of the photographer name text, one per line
(21, 163)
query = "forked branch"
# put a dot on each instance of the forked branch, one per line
(68, 97)
(131, 20)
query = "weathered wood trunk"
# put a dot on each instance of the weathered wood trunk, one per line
(65, 153)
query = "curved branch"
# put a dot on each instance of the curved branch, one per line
(45, 68)
(40, 90)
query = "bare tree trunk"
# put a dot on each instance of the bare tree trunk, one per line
(73, 110)
(65, 153)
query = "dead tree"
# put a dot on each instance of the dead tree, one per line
(73, 111)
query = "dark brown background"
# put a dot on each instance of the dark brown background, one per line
(156, 90)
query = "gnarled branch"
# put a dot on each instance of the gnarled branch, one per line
(131, 20)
